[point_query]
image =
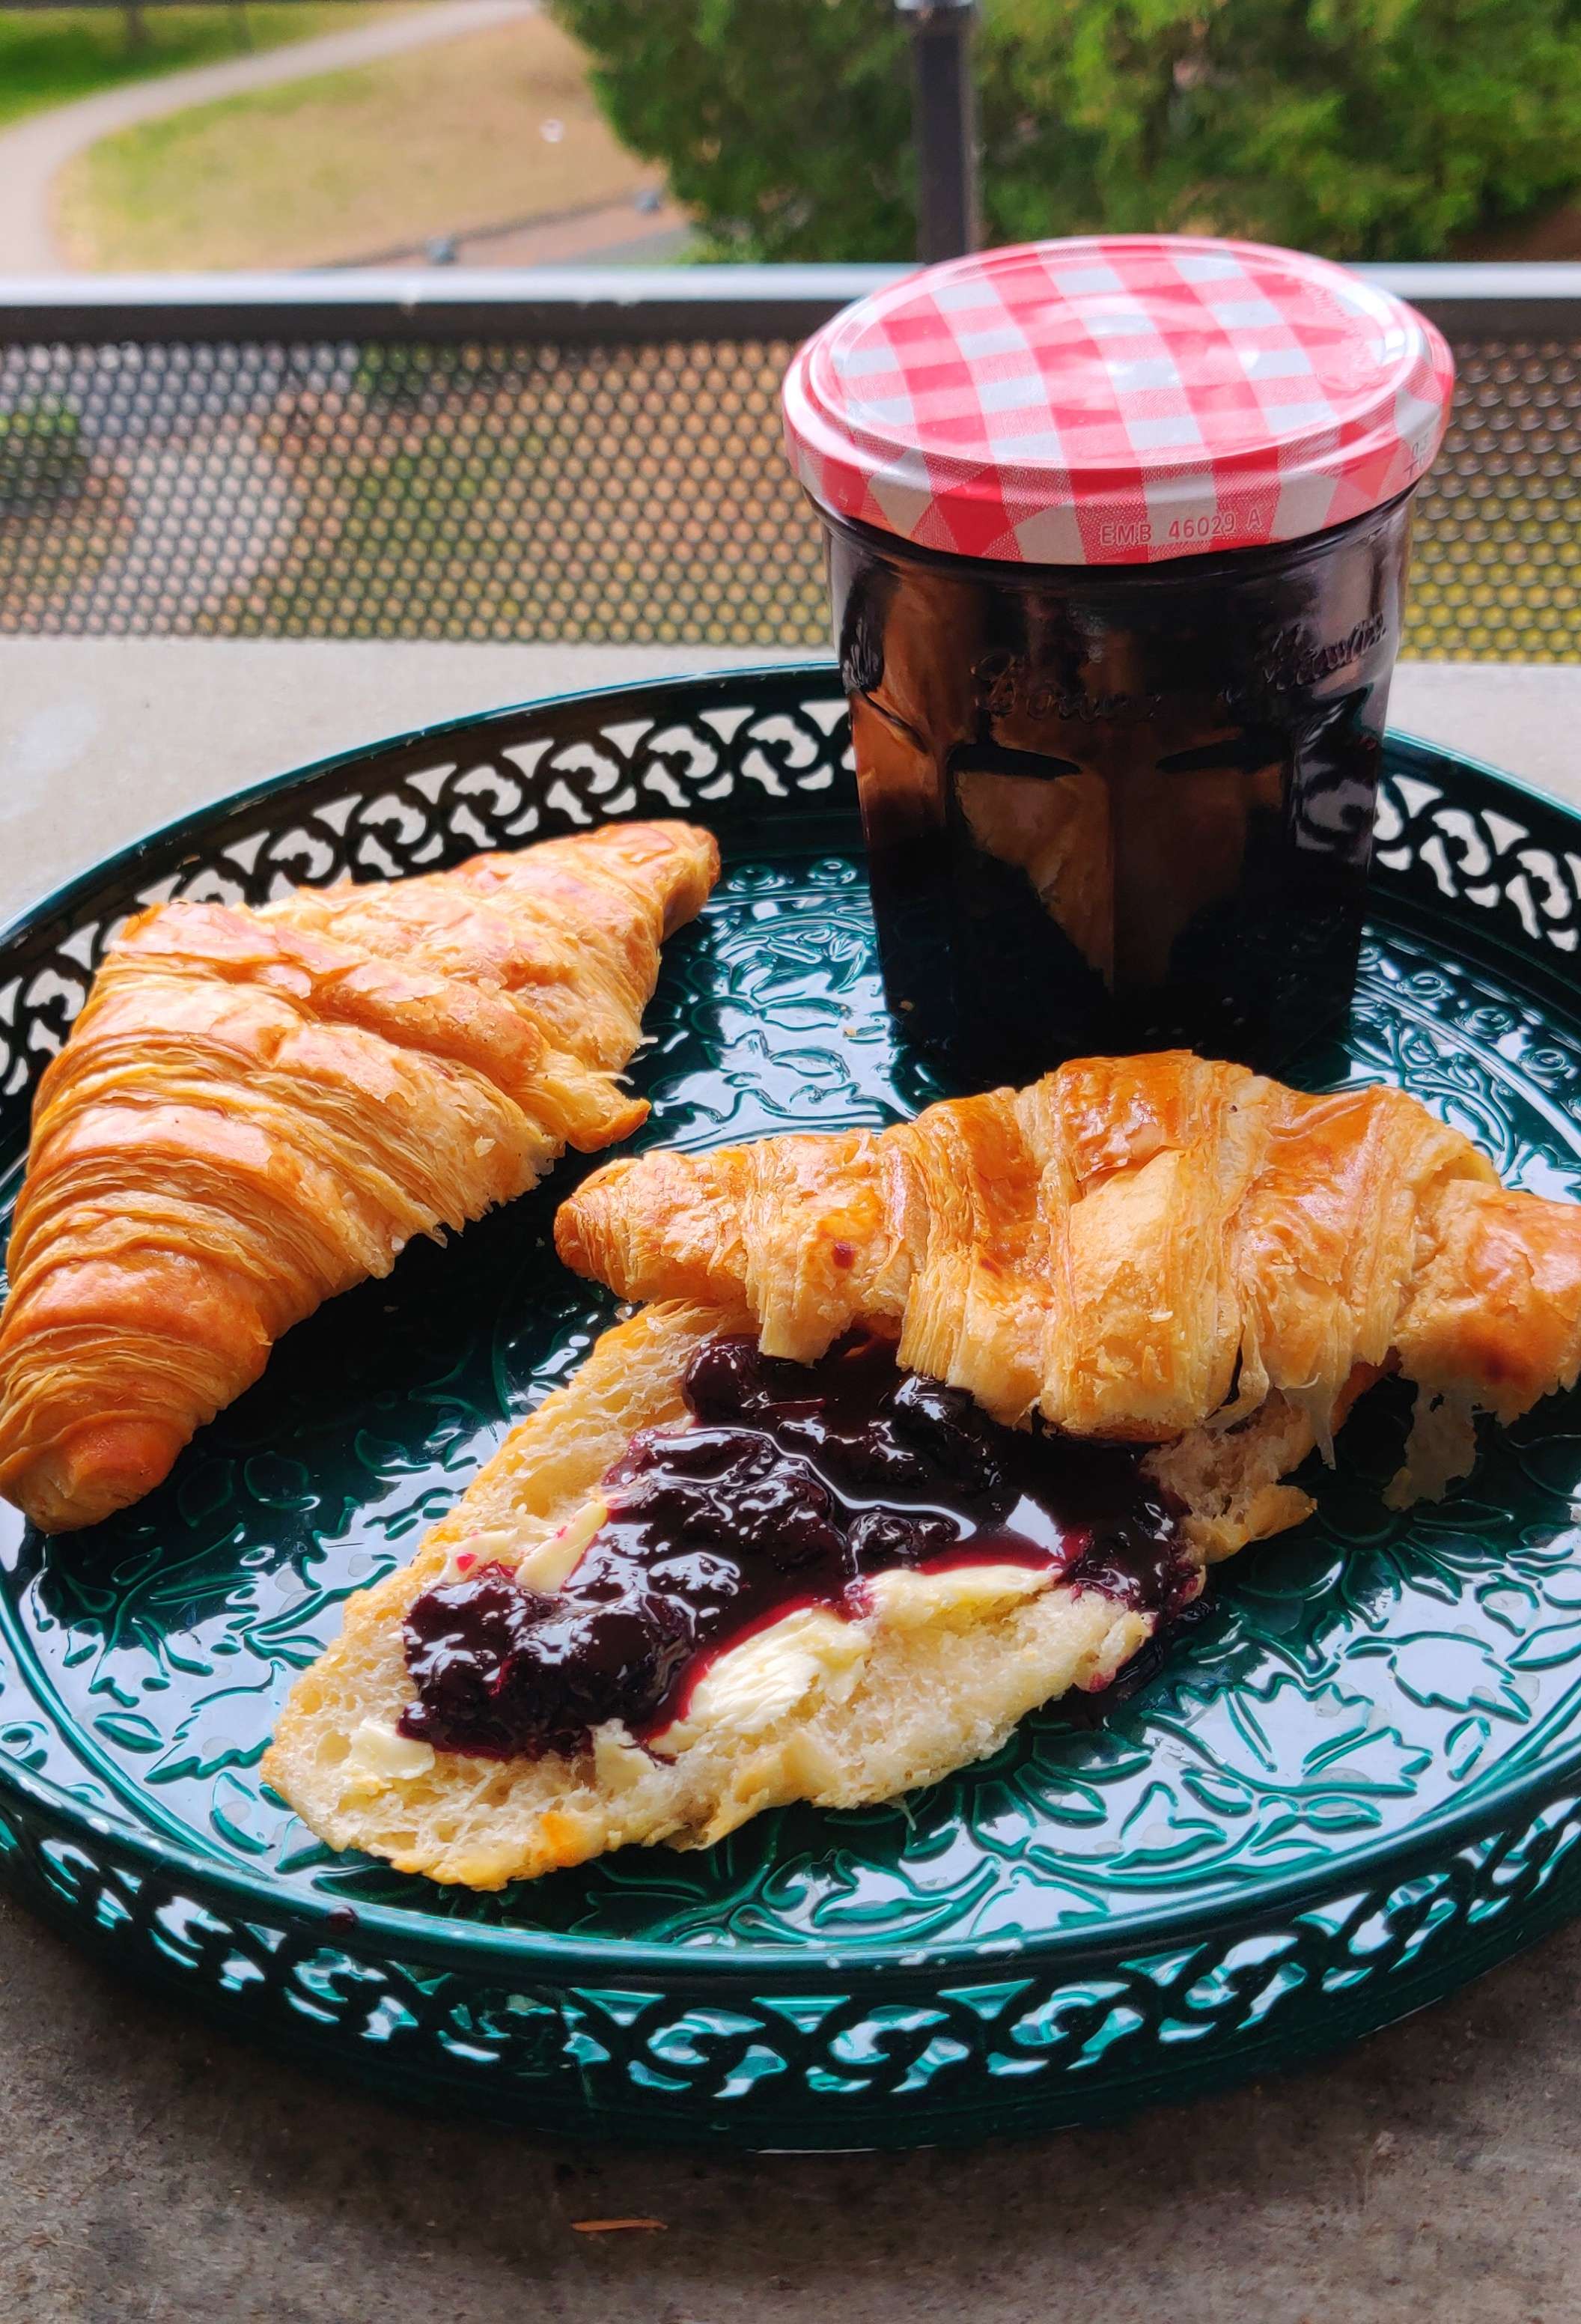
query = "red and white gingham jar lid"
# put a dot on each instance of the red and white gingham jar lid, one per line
(1117, 400)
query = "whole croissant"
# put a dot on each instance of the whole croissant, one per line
(259, 1108)
(1134, 1247)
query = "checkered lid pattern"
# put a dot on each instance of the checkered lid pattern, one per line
(1117, 400)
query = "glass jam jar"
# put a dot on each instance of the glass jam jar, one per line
(1117, 535)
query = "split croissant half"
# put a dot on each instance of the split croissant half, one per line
(845, 1712)
(1152, 1249)
(259, 1108)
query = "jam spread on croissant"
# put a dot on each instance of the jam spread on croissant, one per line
(791, 1486)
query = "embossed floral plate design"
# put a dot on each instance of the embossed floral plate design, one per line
(1353, 1782)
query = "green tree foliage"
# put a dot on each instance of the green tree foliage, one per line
(785, 124)
(1364, 128)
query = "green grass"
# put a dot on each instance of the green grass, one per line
(49, 57)
(42, 454)
(378, 157)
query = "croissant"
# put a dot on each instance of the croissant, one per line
(1187, 1273)
(930, 1672)
(258, 1107)
(1133, 1247)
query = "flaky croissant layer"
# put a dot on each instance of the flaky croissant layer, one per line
(259, 1108)
(1133, 1246)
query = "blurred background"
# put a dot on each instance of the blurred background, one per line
(336, 470)
(354, 132)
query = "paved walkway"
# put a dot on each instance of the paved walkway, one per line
(32, 152)
(595, 233)
(612, 234)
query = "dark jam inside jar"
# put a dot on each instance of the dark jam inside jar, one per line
(789, 1485)
(1117, 808)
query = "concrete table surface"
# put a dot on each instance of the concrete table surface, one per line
(151, 2169)
(101, 739)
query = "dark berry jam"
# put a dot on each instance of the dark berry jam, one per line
(1112, 808)
(791, 1485)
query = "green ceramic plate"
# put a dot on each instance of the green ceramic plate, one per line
(1354, 1783)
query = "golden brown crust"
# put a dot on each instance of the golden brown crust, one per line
(257, 1109)
(1132, 1246)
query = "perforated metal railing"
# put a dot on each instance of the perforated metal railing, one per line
(594, 457)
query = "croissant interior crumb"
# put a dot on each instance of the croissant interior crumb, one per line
(921, 1699)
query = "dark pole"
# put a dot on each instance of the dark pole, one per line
(944, 126)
